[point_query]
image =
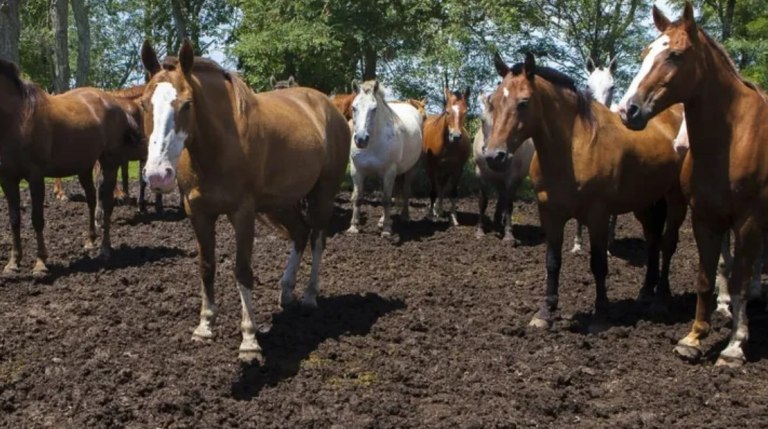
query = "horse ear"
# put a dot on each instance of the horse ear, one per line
(446, 93)
(529, 66)
(660, 20)
(688, 20)
(186, 57)
(355, 86)
(291, 81)
(149, 58)
(590, 65)
(501, 67)
(466, 94)
(375, 86)
(612, 65)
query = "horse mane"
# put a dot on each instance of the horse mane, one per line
(31, 93)
(730, 65)
(561, 80)
(206, 65)
(130, 93)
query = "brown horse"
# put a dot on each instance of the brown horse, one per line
(56, 136)
(725, 175)
(588, 166)
(279, 154)
(446, 150)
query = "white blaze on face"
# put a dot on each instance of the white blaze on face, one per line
(165, 144)
(506, 92)
(455, 109)
(654, 49)
(362, 114)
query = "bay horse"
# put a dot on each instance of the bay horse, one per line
(278, 156)
(44, 135)
(506, 180)
(446, 149)
(601, 84)
(588, 166)
(386, 142)
(725, 174)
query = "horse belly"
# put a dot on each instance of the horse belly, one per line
(74, 151)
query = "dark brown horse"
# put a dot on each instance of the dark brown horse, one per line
(725, 174)
(56, 136)
(279, 154)
(588, 166)
(446, 150)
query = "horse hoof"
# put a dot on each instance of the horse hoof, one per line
(89, 245)
(11, 268)
(353, 230)
(40, 271)
(454, 220)
(479, 233)
(730, 361)
(249, 357)
(576, 248)
(539, 323)
(62, 197)
(688, 353)
(645, 297)
(386, 234)
(286, 300)
(202, 334)
(724, 310)
(309, 302)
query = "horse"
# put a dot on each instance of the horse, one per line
(386, 142)
(343, 102)
(43, 135)
(446, 150)
(725, 174)
(282, 84)
(507, 181)
(588, 166)
(600, 83)
(127, 99)
(278, 156)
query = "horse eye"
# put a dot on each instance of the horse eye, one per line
(522, 105)
(674, 56)
(185, 105)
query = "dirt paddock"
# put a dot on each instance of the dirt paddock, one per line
(427, 331)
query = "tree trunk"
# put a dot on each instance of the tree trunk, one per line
(9, 30)
(178, 20)
(369, 63)
(728, 19)
(80, 11)
(59, 15)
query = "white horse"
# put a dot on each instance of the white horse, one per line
(386, 142)
(601, 84)
(725, 264)
(506, 181)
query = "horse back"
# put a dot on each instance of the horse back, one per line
(408, 127)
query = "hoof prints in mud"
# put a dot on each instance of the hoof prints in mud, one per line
(429, 329)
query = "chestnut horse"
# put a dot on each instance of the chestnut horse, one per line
(507, 181)
(725, 175)
(279, 156)
(44, 135)
(446, 150)
(588, 166)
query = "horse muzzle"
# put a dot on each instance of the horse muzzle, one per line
(633, 115)
(160, 179)
(497, 159)
(361, 141)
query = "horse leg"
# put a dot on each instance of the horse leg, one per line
(748, 245)
(118, 196)
(433, 214)
(652, 220)
(553, 229)
(288, 280)
(106, 195)
(405, 215)
(205, 233)
(58, 190)
(243, 222)
(385, 223)
(612, 231)
(598, 263)
(125, 185)
(454, 196)
(37, 192)
(358, 183)
(724, 265)
(13, 196)
(317, 239)
(143, 187)
(675, 215)
(507, 217)
(86, 181)
(577, 240)
(755, 283)
(708, 240)
(482, 206)
(98, 173)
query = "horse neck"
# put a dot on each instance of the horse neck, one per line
(210, 136)
(710, 113)
(553, 139)
(385, 117)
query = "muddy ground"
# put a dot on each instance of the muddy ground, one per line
(428, 331)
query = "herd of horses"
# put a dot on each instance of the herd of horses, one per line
(689, 132)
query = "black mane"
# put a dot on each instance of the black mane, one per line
(30, 93)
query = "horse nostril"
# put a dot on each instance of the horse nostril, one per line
(500, 157)
(633, 110)
(168, 172)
